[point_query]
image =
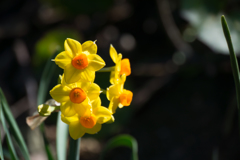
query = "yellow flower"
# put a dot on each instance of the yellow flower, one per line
(79, 125)
(122, 66)
(79, 61)
(118, 96)
(75, 97)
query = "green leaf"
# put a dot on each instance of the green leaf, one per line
(74, 149)
(1, 151)
(9, 140)
(233, 59)
(14, 127)
(234, 62)
(122, 140)
(62, 135)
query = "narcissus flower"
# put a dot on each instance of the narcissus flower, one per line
(79, 125)
(122, 66)
(75, 97)
(79, 61)
(118, 96)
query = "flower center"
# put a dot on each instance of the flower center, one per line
(126, 98)
(88, 122)
(77, 95)
(125, 67)
(80, 61)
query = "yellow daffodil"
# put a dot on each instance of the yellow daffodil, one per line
(122, 66)
(79, 61)
(75, 97)
(118, 96)
(79, 125)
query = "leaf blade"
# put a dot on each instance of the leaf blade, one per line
(9, 140)
(122, 140)
(14, 127)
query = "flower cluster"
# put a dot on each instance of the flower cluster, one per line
(78, 95)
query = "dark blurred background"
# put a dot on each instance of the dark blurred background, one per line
(184, 104)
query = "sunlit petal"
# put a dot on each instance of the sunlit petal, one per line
(73, 47)
(84, 108)
(113, 91)
(94, 130)
(93, 91)
(76, 130)
(87, 75)
(114, 102)
(89, 47)
(113, 53)
(63, 59)
(60, 93)
(69, 119)
(67, 109)
(71, 74)
(102, 114)
(95, 62)
(96, 103)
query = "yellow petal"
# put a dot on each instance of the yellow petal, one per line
(113, 54)
(93, 91)
(76, 130)
(114, 102)
(95, 129)
(63, 59)
(96, 103)
(71, 74)
(111, 120)
(87, 75)
(89, 47)
(113, 91)
(112, 78)
(63, 82)
(64, 119)
(118, 63)
(102, 114)
(84, 108)
(95, 62)
(68, 120)
(67, 109)
(73, 47)
(60, 93)
(83, 85)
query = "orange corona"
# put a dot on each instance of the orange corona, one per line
(77, 95)
(126, 98)
(125, 67)
(88, 122)
(80, 61)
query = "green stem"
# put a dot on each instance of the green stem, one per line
(234, 62)
(74, 149)
(46, 143)
(107, 69)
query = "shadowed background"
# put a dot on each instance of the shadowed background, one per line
(184, 104)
